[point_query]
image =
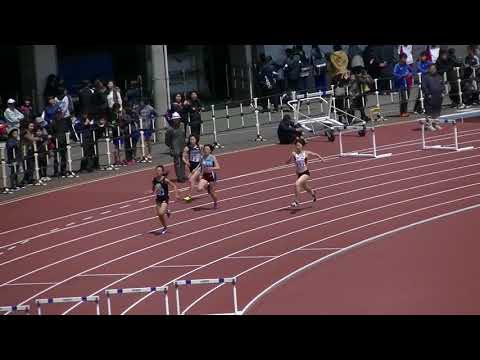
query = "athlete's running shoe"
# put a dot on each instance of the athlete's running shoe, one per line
(215, 205)
(188, 199)
(294, 204)
(164, 231)
(314, 196)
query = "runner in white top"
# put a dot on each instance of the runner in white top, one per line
(300, 157)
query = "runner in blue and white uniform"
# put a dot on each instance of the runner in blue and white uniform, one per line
(192, 155)
(208, 165)
(160, 185)
(300, 158)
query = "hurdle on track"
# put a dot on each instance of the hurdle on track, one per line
(144, 290)
(451, 119)
(18, 308)
(65, 300)
(373, 154)
(232, 281)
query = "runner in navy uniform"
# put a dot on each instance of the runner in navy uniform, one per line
(160, 185)
(192, 155)
(300, 158)
(208, 165)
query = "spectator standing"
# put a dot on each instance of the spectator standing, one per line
(360, 84)
(100, 103)
(13, 158)
(148, 115)
(355, 59)
(433, 88)
(195, 108)
(433, 52)
(292, 69)
(28, 139)
(407, 50)
(452, 78)
(59, 128)
(305, 69)
(319, 64)
(88, 162)
(51, 88)
(13, 117)
(117, 126)
(27, 110)
(178, 106)
(113, 95)
(177, 146)
(85, 99)
(338, 62)
(423, 65)
(134, 93)
(49, 112)
(42, 150)
(469, 90)
(403, 79)
(268, 84)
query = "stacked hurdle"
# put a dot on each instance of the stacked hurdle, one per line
(144, 290)
(449, 119)
(16, 308)
(232, 281)
(66, 300)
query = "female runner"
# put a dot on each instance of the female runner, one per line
(160, 185)
(192, 155)
(300, 157)
(208, 165)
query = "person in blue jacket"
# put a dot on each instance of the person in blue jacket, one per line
(423, 64)
(403, 82)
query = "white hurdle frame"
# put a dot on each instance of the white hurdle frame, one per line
(232, 281)
(143, 290)
(65, 300)
(373, 154)
(450, 119)
(18, 308)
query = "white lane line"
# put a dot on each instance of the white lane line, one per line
(124, 206)
(31, 284)
(351, 247)
(240, 207)
(11, 248)
(319, 249)
(174, 266)
(312, 243)
(287, 185)
(249, 257)
(87, 218)
(386, 147)
(53, 230)
(85, 275)
(1, 253)
(70, 224)
(276, 238)
(106, 212)
(144, 201)
(24, 241)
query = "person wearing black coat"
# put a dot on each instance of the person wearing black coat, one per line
(100, 103)
(433, 88)
(85, 99)
(194, 109)
(287, 131)
(59, 128)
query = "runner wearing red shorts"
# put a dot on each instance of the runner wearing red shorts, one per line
(208, 165)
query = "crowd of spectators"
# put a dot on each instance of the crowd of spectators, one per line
(394, 67)
(101, 111)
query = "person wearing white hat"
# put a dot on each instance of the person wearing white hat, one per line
(177, 140)
(12, 115)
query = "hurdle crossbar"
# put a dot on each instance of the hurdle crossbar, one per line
(142, 290)
(232, 281)
(372, 154)
(64, 300)
(20, 308)
(451, 119)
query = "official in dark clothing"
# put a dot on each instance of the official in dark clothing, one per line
(194, 109)
(292, 70)
(287, 131)
(433, 88)
(177, 140)
(85, 99)
(59, 127)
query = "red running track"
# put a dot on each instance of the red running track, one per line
(97, 235)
